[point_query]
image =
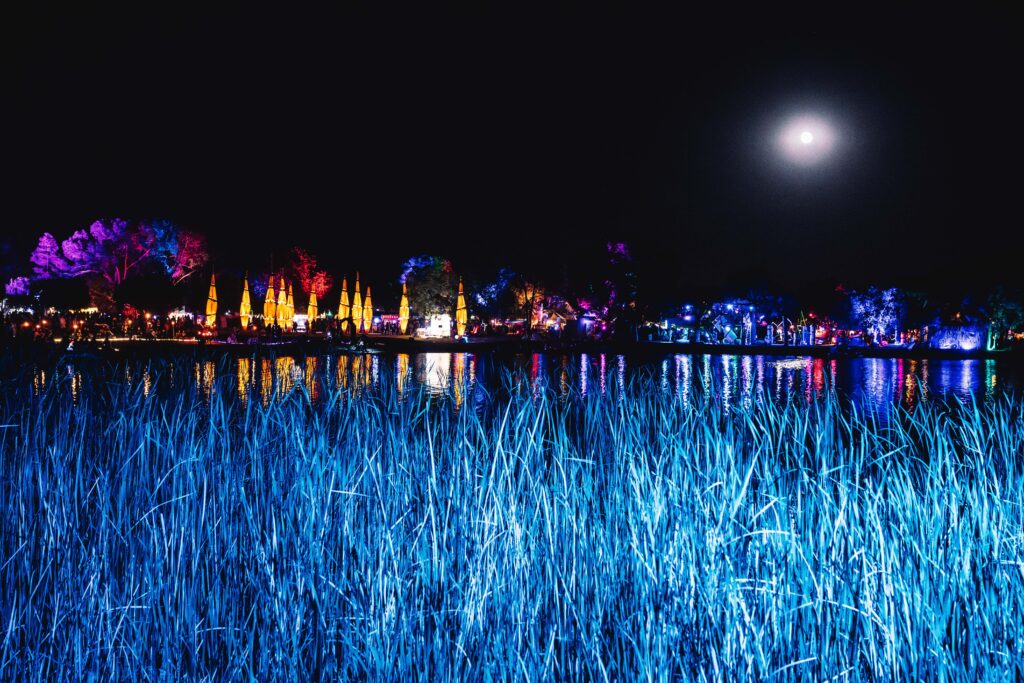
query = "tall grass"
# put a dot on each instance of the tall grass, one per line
(625, 537)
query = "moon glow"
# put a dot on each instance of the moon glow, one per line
(806, 140)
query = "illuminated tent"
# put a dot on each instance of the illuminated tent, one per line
(461, 314)
(368, 312)
(245, 310)
(344, 310)
(211, 302)
(269, 305)
(282, 305)
(311, 310)
(291, 306)
(357, 308)
(403, 311)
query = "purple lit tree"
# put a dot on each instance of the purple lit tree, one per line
(17, 286)
(47, 260)
(114, 250)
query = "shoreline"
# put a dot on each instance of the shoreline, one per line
(306, 344)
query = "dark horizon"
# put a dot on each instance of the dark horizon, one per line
(529, 141)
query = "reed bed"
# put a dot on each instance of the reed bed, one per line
(393, 536)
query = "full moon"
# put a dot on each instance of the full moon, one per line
(806, 140)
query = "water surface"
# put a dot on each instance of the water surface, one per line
(475, 378)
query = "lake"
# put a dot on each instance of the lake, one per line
(474, 378)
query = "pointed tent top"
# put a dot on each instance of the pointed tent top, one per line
(403, 311)
(245, 309)
(461, 314)
(211, 303)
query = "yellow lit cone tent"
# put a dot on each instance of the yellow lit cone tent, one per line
(269, 305)
(403, 311)
(344, 311)
(211, 302)
(291, 306)
(245, 310)
(368, 312)
(312, 309)
(461, 314)
(282, 305)
(357, 308)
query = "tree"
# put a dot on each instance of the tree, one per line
(114, 250)
(528, 298)
(17, 286)
(46, 259)
(623, 306)
(622, 280)
(1005, 313)
(876, 311)
(494, 298)
(305, 267)
(433, 286)
(191, 255)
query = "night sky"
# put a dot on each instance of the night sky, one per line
(530, 140)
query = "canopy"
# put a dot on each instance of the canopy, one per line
(357, 308)
(403, 311)
(461, 314)
(245, 310)
(269, 305)
(211, 302)
(311, 310)
(368, 312)
(344, 310)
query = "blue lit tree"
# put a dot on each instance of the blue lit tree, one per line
(877, 311)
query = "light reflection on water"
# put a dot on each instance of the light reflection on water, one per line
(462, 377)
